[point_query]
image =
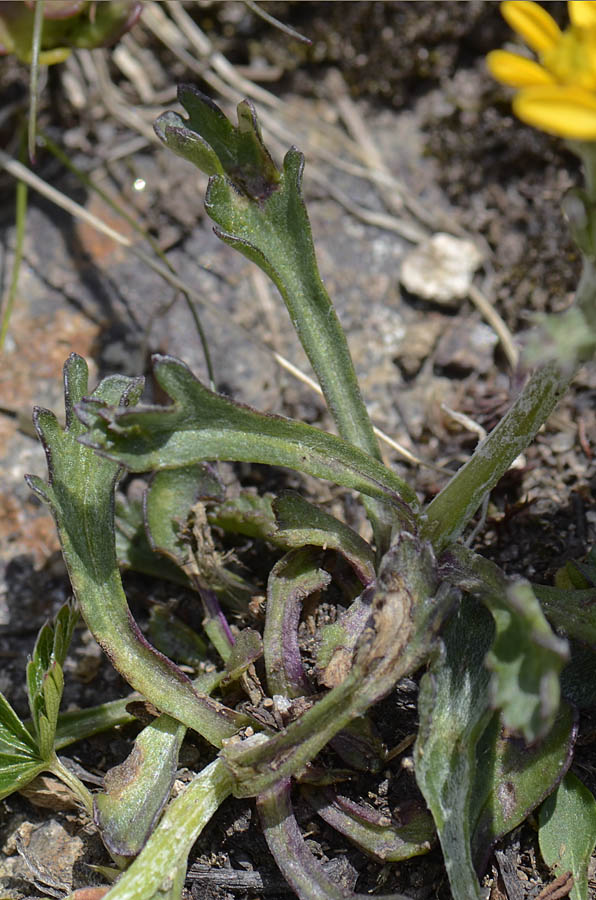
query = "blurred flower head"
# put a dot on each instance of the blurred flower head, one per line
(66, 24)
(557, 93)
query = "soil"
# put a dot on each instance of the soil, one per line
(414, 74)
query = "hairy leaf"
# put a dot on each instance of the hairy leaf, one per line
(80, 494)
(567, 832)
(132, 545)
(302, 871)
(171, 842)
(573, 610)
(137, 790)
(77, 724)
(201, 425)
(407, 611)
(526, 657)
(248, 513)
(453, 508)
(294, 578)
(513, 778)
(261, 213)
(175, 638)
(168, 500)
(454, 710)
(300, 523)
(369, 831)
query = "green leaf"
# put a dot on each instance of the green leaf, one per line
(567, 832)
(200, 425)
(406, 613)
(77, 724)
(367, 829)
(137, 790)
(294, 578)
(80, 493)
(512, 778)
(247, 648)
(16, 772)
(177, 526)
(248, 513)
(262, 215)
(172, 840)
(132, 545)
(210, 141)
(175, 638)
(13, 734)
(300, 524)
(527, 657)
(454, 710)
(45, 679)
(169, 498)
(573, 610)
(451, 510)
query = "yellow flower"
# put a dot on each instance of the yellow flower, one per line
(558, 93)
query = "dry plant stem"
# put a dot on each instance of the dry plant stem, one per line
(34, 78)
(496, 323)
(20, 218)
(452, 509)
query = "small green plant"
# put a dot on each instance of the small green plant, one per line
(495, 737)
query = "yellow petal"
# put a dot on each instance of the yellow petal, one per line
(516, 71)
(538, 29)
(567, 111)
(582, 13)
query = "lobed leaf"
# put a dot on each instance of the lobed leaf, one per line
(45, 679)
(526, 657)
(210, 141)
(200, 425)
(16, 772)
(80, 493)
(13, 734)
(260, 212)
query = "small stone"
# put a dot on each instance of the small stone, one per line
(441, 269)
(468, 349)
(562, 441)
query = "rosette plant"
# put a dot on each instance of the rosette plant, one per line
(495, 736)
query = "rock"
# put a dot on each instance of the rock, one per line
(441, 269)
(466, 349)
